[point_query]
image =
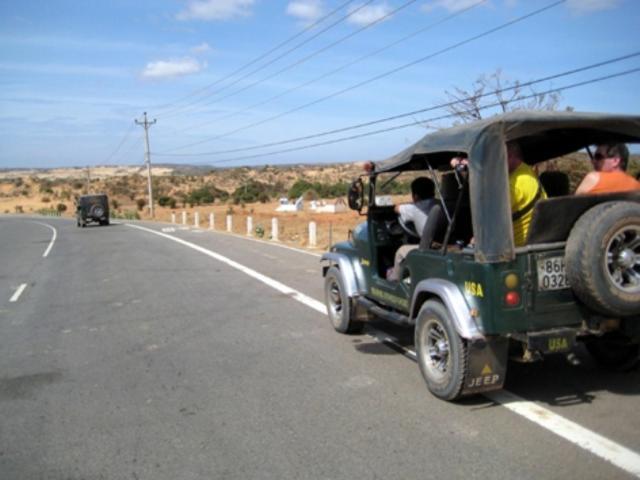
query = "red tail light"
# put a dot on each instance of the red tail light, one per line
(512, 299)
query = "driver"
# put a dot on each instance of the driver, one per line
(422, 193)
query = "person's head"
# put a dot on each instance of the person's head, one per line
(514, 155)
(611, 157)
(422, 188)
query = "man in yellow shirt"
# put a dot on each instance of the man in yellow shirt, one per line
(525, 190)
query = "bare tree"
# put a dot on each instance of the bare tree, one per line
(491, 93)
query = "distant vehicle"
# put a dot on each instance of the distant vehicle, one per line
(92, 208)
(472, 296)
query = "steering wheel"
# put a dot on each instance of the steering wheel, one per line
(408, 228)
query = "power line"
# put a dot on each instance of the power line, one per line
(287, 52)
(124, 139)
(377, 77)
(256, 59)
(317, 52)
(414, 112)
(414, 123)
(339, 69)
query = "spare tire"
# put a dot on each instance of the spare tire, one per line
(96, 211)
(602, 258)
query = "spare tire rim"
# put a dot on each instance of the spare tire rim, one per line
(623, 259)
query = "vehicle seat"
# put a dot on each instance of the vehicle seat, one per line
(555, 183)
(436, 226)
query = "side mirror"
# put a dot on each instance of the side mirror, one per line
(356, 195)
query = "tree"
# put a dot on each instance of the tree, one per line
(491, 93)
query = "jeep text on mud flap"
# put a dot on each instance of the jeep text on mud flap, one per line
(475, 302)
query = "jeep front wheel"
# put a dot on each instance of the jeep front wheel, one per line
(338, 304)
(442, 354)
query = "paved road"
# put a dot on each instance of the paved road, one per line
(129, 355)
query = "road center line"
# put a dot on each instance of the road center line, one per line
(584, 438)
(53, 238)
(18, 292)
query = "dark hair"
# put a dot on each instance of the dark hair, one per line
(619, 150)
(422, 188)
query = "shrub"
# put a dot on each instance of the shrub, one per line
(140, 203)
(61, 207)
(45, 199)
(115, 204)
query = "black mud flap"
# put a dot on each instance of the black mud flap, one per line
(487, 365)
(558, 340)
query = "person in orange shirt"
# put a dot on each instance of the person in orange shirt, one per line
(610, 164)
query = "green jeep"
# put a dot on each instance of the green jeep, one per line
(473, 298)
(92, 208)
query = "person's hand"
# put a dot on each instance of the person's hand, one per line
(456, 162)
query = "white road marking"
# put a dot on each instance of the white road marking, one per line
(296, 295)
(18, 292)
(604, 448)
(53, 238)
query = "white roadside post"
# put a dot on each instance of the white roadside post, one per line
(173, 217)
(184, 218)
(274, 229)
(211, 221)
(229, 223)
(250, 226)
(312, 234)
(196, 219)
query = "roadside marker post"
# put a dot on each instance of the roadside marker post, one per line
(249, 226)
(196, 219)
(313, 237)
(184, 218)
(229, 223)
(211, 222)
(274, 229)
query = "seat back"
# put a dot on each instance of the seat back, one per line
(556, 184)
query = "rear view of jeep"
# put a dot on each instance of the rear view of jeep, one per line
(474, 298)
(92, 208)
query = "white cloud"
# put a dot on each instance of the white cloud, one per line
(215, 9)
(172, 68)
(369, 14)
(200, 49)
(589, 6)
(451, 5)
(306, 10)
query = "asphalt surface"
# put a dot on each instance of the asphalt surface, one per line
(131, 356)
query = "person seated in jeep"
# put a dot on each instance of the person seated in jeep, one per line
(525, 190)
(609, 175)
(422, 193)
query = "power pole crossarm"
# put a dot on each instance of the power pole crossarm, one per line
(147, 156)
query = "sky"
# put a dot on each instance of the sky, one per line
(223, 78)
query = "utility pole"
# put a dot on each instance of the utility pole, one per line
(147, 156)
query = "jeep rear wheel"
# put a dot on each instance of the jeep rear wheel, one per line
(339, 307)
(603, 258)
(614, 351)
(442, 354)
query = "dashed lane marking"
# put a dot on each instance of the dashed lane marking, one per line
(17, 293)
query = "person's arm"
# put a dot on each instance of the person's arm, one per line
(588, 182)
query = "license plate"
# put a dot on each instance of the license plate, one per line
(551, 274)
